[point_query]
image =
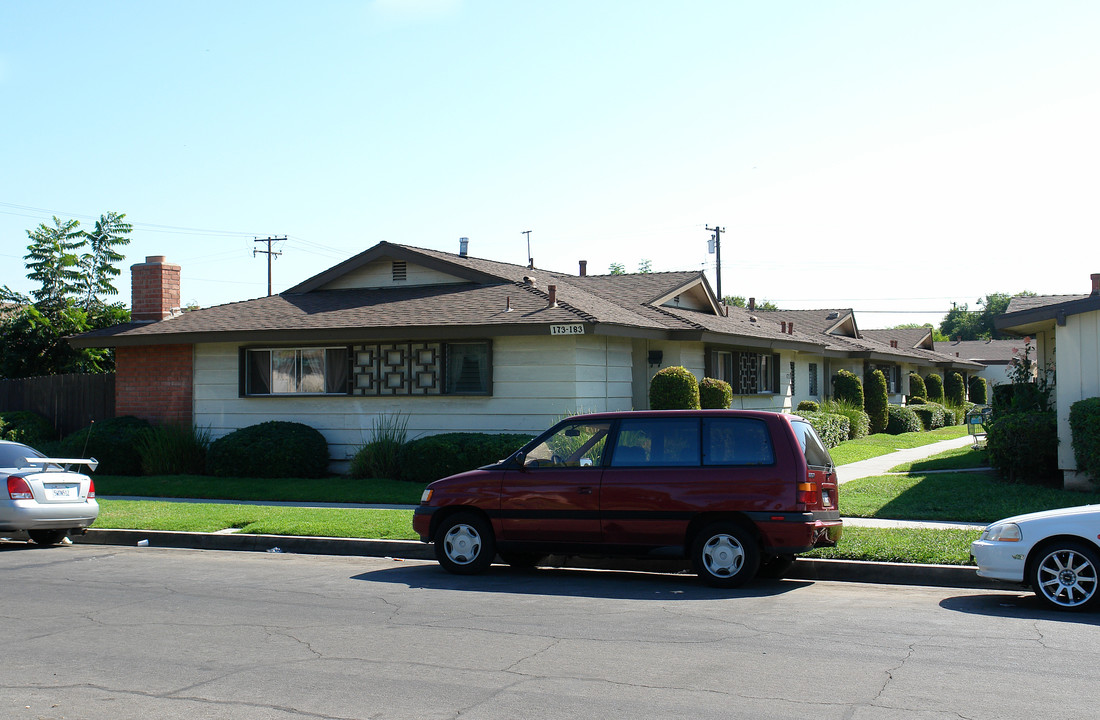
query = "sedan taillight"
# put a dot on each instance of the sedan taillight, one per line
(91, 489)
(18, 489)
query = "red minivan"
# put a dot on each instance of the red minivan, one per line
(737, 492)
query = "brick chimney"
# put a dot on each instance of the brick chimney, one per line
(155, 289)
(583, 268)
(1095, 283)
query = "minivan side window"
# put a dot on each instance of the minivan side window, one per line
(657, 442)
(737, 441)
(573, 445)
(816, 453)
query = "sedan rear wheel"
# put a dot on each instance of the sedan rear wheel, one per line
(464, 544)
(1065, 576)
(47, 537)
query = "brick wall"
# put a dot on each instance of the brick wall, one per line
(155, 382)
(155, 289)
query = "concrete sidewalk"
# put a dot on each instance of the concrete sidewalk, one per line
(881, 465)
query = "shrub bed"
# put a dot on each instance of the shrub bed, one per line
(831, 427)
(902, 420)
(433, 457)
(931, 415)
(271, 449)
(113, 442)
(1084, 425)
(26, 427)
(1023, 447)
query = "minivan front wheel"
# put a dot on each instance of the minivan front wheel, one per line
(725, 555)
(464, 544)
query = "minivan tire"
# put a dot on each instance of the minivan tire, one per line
(725, 555)
(464, 544)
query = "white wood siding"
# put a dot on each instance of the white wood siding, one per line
(535, 382)
(1078, 352)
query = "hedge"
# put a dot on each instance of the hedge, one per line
(1023, 447)
(832, 428)
(916, 387)
(932, 416)
(848, 388)
(674, 388)
(715, 394)
(902, 420)
(876, 401)
(433, 457)
(26, 427)
(934, 384)
(1084, 425)
(273, 449)
(113, 442)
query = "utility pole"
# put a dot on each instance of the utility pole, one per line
(270, 254)
(716, 248)
(530, 260)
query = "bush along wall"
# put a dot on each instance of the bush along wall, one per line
(933, 383)
(1023, 447)
(674, 388)
(1084, 425)
(113, 442)
(273, 449)
(876, 401)
(848, 388)
(916, 387)
(954, 390)
(832, 428)
(902, 420)
(979, 390)
(715, 394)
(430, 458)
(932, 416)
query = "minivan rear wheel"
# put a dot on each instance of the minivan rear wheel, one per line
(725, 555)
(464, 544)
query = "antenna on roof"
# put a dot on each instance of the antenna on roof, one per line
(530, 260)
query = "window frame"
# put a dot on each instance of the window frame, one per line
(245, 374)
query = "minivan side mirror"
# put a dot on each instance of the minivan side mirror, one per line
(521, 458)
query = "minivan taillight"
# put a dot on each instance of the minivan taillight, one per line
(18, 489)
(808, 493)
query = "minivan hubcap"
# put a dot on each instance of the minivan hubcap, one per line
(462, 544)
(723, 556)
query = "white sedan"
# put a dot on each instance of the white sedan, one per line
(44, 498)
(1055, 552)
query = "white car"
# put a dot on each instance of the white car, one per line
(43, 497)
(1055, 552)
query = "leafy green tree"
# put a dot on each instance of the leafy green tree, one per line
(645, 266)
(963, 323)
(617, 269)
(66, 301)
(740, 301)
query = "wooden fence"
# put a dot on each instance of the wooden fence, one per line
(70, 402)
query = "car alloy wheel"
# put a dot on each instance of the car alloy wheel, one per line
(1065, 576)
(464, 544)
(725, 555)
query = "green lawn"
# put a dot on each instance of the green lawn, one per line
(871, 446)
(258, 519)
(938, 547)
(958, 459)
(329, 489)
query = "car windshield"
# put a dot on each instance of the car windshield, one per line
(15, 456)
(812, 447)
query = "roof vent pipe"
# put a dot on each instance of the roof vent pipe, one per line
(752, 304)
(1095, 283)
(790, 328)
(463, 246)
(553, 290)
(783, 327)
(584, 268)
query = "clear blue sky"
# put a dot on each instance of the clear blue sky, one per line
(875, 155)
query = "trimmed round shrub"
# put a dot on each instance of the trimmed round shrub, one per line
(917, 401)
(954, 389)
(113, 442)
(932, 415)
(901, 419)
(979, 391)
(715, 394)
(934, 384)
(674, 388)
(26, 427)
(808, 406)
(916, 387)
(273, 449)
(1023, 447)
(847, 388)
(430, 458)
(832, 428)
(876, 401)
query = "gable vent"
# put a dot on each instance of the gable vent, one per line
(400, 271)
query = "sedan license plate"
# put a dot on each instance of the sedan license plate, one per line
(62, 492)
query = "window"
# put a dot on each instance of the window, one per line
(737, 441)
(663, 442)
(813, 380)
(747, 373)
(576, 445)
(295, 371)
(467, 369)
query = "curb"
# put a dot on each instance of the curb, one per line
(950, 576)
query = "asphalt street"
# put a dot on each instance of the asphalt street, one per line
(112, 633)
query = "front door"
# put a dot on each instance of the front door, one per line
(555, 496)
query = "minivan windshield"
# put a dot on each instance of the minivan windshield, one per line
(812, 447)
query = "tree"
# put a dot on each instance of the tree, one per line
(645, 266)
(739, 301)
(966, 324)
(937, 336)
(617, 269)
(66, 301)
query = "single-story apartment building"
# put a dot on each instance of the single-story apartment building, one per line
(457, 343)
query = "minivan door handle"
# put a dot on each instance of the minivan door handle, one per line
(584, 490)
